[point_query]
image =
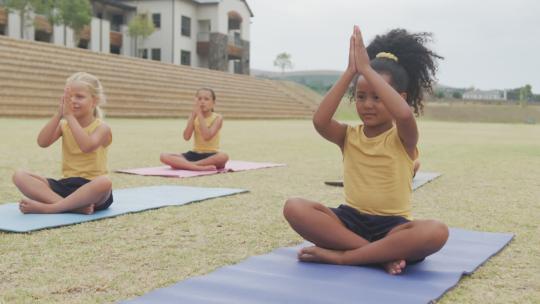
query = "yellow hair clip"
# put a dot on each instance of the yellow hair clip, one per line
(387, 55)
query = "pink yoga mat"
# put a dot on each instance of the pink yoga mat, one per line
(232, 166)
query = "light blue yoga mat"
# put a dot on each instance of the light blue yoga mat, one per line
(423, 178)
(279, 278)
(419, 180)
(125, 201)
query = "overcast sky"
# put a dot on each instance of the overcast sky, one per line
(486, 44)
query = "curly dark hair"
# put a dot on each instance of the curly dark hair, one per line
(414, 72)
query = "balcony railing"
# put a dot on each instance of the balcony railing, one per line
(235, 39)
(203, 37)
(3, 15)
(115, 38)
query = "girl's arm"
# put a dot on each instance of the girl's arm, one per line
(101, 136)
(208, 132)
(328, 127)
(188, 131)
(52, 130)
(393, 101)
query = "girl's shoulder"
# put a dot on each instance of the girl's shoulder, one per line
(100, 125)
(216, 116)
(353, 129)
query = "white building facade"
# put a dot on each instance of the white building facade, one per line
(211, 34)
(485, 95)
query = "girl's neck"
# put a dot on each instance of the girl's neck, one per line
(207, 114)
(372, 131)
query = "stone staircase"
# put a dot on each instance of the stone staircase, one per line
(32, 76)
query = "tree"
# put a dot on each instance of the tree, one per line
(140, 27)
(457, 95)
(24, 7)
(283, 61)
(72, 13)
(439, 94)
(525, 95)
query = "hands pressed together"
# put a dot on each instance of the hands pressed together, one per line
(358, 56)
(196, 108)
(64, 108)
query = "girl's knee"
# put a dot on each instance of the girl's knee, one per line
(294, 208)
(290, 207)
(438, 233)
(103, 184)
(163, 157)
(225, 158)
(222, 160)
(19, 176)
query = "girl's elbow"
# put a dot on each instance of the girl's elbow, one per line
(316, 122)
(319, 125)
(42, 144)
(89, 148)
(404, 116)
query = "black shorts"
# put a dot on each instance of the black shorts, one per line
(369, 227)
(195, 156)
(64, 187)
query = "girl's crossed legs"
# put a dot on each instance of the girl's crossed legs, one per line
(336, 244)
(178, 161)
(40, 198)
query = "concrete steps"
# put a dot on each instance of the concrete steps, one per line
(32, 76)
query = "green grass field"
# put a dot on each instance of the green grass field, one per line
(490, 182)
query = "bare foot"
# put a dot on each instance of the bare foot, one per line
(395, 267)
(85, 210)
(27, 205)
(206, 168)
(194, 167)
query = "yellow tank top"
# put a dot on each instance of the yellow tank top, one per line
(76, 163)
(199, 144)
(377, 173)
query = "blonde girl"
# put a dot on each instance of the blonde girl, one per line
(85, 186)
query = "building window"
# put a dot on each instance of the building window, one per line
(143, 53)
(186, 26)
(237, 67)
(185, 58)
(115, 49)
(42, 36)
(156, 54)
(116, 22)
(156, 19)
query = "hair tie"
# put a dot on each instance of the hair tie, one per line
(387, 55)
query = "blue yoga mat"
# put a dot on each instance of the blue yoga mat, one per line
(278, 277)
(125, 201)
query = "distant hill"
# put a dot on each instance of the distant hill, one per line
(320, 81)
